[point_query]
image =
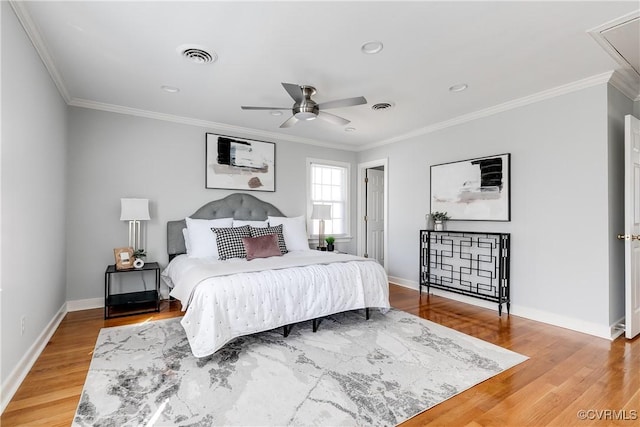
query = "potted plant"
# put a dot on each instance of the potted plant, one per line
(330, 240)
(438, 220)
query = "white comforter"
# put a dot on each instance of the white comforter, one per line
(228, 299)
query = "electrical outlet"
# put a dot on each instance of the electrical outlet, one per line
(22, 325)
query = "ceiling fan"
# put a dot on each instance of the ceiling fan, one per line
(305, 108)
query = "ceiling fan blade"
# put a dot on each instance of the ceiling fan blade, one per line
(289, 122)
(347, 102)
(244, 107)
(332, 118)
(294, 91)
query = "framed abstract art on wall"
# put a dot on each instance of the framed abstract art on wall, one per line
(239, 164)
(473, 190)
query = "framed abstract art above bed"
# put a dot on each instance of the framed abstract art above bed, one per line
(475, 189)
(239, 164)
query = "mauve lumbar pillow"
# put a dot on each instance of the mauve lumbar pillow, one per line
(261, 247)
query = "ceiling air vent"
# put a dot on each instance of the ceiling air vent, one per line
(381, 106)
(197, 54)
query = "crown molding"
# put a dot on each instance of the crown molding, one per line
(627, 82)
(221, 127)
(510, 105)
(40, 46)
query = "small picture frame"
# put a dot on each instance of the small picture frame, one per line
(124, 258)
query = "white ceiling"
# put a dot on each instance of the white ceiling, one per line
(116, 56)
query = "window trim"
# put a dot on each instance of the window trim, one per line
(345, 237)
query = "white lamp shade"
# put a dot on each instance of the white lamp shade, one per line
(134, 210)
(321, 212)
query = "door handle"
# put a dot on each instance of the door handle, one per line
(629, 237)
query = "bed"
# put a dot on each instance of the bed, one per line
(226, 299)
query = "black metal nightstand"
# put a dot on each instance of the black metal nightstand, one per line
(126, 304)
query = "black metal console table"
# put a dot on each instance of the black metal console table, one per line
(466, 262)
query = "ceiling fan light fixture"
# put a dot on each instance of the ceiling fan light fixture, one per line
(372, 47)
(305, 115)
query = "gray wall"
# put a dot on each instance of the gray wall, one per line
(113, 156)
(33, 195)
(560, 201)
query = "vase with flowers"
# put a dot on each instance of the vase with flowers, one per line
(439, 219)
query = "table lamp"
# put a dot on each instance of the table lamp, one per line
(321, 212)
(134, 211)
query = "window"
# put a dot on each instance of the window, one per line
(328, 184)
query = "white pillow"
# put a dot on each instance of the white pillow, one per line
(202, 240)
(255, 224)
(185, 235)
(294, 231)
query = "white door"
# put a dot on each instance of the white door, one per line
(632, 226)
(374, 221)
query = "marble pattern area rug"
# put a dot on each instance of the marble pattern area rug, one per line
(352, 372)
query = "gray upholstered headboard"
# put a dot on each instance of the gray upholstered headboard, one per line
(238, 206)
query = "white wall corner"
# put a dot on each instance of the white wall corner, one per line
(590, 328)
(85, 304)
(15, 378)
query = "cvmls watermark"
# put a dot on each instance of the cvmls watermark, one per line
(607, 414)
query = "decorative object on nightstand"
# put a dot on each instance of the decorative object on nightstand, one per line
(124, 304)
(124, 258)
(138, 258)
(321, 213)
(134, 211)
(330, 240)
(438, 220)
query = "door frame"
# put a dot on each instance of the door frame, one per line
(362, 167)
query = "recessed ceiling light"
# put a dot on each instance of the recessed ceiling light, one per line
(276, 113)
(372, 47)
(170, 89)
(349, 129)
(459, 87)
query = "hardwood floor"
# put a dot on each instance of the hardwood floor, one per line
(567, 371)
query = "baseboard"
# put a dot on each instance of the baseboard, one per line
(15, 378)
(442, 293)
(85, 304)
(590, 328)
(617, 328)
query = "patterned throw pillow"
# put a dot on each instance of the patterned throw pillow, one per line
(263, 231)
(229, 241)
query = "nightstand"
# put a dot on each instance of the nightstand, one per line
(125, 304)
